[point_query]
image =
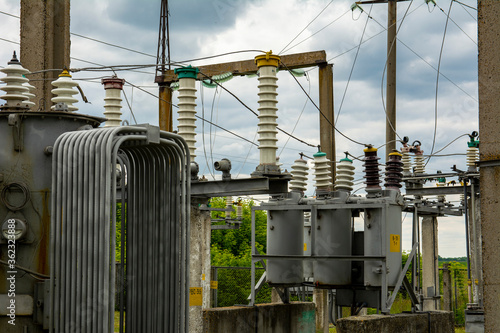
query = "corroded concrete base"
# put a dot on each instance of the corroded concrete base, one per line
(434, 321)
(297, 317)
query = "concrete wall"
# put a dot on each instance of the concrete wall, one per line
(297, 317)
(435, 322)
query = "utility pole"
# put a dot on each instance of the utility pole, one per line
(390, 107)
(162, 58)
(45, 44)
(489, 150)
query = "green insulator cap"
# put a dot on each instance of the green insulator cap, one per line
(473, 143)
(346, 159)
(187, 72)
(319, 154)
(441, 180)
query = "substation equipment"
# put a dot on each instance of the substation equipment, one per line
(62, 182)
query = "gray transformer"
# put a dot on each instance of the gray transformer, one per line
(382, 237)
(285, 236)
(333, 236)
(25, 186)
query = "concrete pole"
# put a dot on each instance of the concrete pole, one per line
(390, 126)
(475, 250)
(199, 265)
(327, 118)
(489, 151)
(446, 287)
(165, 108)
(320, 298)
(430, 270)
(45, 44)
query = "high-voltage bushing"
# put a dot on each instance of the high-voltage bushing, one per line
(372, 176)
(333, 236)
(15, 96)
(285, 236)
(112, 102)
(406, 158)
(382, 237)
(64, 91)
(322, 176)
(267, 65)
(187, 103)
(419, 158)
(393, 171)
(345, 175)
(472, 152)
(441, 183)
(299, 175)
(30, 94)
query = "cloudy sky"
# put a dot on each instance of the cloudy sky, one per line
(201, 28)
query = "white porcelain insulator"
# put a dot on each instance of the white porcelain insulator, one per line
(64, 91)
(472, 156)
(322, 175)
(267, 114)
(229, 204)
(307, 217)
(441, 198)
(186, 113)
(239, 212)
(112, 107)
(299, 173)
(345, 176)
(15, 90)
(30, 94)
(406, 159)
(419, 164)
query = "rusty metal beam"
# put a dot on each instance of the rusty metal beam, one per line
(292, 61)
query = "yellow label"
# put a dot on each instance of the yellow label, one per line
(305, 247)
(203, 277)
(214, 284)
(195, 297)
(395, 243)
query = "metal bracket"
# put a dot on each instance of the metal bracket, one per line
(284, 295)
(402, 275)
(15, 121)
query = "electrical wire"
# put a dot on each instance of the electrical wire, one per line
(473, 17)
(212, 137)
(203, 130)
(317, 32)
(463, 4)
(437, 84)
(314, 19)
(255, 113)
(129, 106)
(446, 146)
(441, 9)
(321, 112)
(300, 115)
(353, 65)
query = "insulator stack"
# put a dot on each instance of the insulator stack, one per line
(239, 211)
(299, 176)
(393, 171)
(472, 158)
(112, 102)
(345, 175)
(372, 175)
(267, 65)
(322, 177)
(307, 217)
(419, 164)
(30, 94)
(64, 91)
(15, 96)
(406, 159)
(187, 103)
(229, 204)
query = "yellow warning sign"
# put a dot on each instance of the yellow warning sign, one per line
(195, 297)
(305, 247)
(395, 243)
(214, 284)
(203, 277)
